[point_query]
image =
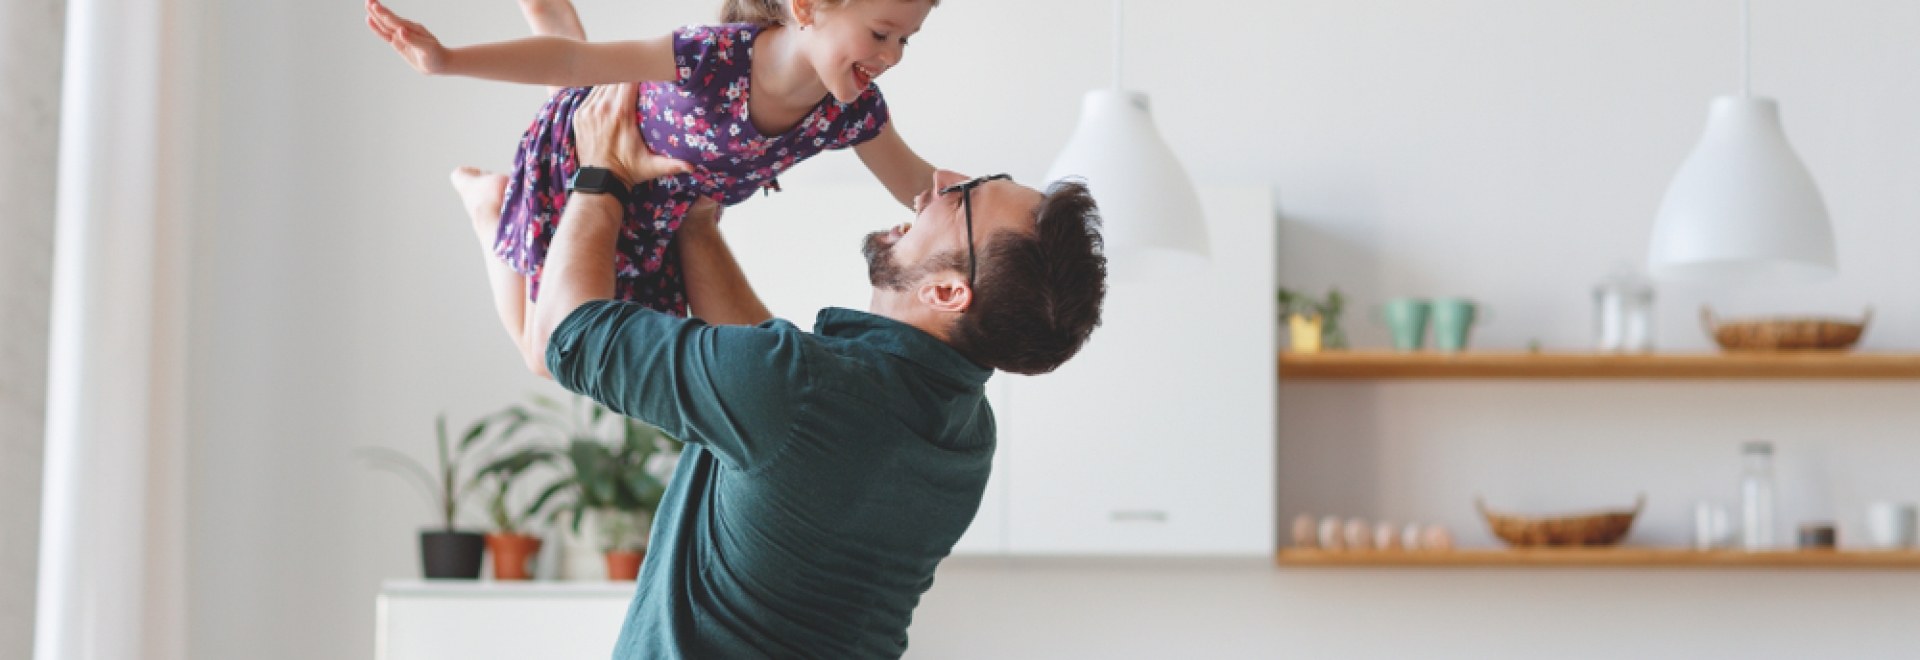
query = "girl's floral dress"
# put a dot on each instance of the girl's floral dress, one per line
(701, 118)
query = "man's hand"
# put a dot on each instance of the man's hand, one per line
(606, 135)
(414, 43)
(579, 266)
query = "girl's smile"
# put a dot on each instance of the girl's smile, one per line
(860, 40)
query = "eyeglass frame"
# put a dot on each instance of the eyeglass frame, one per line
(966, 204)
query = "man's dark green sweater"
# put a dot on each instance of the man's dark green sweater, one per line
(825, 477)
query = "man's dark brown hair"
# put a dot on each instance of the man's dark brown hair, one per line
(1037, 296)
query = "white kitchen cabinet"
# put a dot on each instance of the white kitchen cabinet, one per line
(1157, 439)
(467, 619)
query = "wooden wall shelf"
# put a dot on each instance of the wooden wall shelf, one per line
(1392, 365)
(1601, 558)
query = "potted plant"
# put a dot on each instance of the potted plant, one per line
(611, 477)
(512, 545)
(445, 552)
(1313, 324)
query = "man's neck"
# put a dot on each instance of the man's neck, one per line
(899, 307)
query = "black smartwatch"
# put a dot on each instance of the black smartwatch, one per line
(598, 180)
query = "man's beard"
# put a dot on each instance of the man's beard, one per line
(882, 269)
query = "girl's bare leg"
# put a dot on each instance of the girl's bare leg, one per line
(481, 193)
(553, 18)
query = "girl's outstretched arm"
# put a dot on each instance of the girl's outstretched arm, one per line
(903, 172)
(534, 60)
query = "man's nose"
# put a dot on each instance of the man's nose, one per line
(944, 178)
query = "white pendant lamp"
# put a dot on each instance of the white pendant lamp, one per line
(1742, 209)
(1146, 199)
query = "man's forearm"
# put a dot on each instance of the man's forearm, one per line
(717, 290)
(579, 264)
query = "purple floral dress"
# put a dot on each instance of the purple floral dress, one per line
(702, 119)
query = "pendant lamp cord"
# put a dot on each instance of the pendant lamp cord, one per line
(1116, 45)
(1746, 51)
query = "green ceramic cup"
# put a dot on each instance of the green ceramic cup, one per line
(1452, 319)
(1407, 320)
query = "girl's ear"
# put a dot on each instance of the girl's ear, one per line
(802, 13)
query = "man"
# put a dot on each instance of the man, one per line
(826, 473)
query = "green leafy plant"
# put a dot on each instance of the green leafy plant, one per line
(501, 475)
(604, 458)
(447, 487)
(1332, 334)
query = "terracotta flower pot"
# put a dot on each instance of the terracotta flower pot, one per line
(511, 555)
(624, 564)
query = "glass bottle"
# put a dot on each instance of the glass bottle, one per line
(1756, 496)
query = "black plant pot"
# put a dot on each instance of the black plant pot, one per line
(455, 555)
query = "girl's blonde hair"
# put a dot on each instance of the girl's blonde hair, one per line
(768, 13)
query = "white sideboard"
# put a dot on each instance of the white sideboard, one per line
(466, 619)
(1158, 439)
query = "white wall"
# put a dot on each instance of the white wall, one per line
(1506, 150)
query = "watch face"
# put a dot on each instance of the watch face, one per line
(591, 179)
(598, 180)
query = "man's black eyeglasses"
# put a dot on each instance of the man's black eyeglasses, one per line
(966, 202)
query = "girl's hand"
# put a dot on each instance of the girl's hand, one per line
(413, 42)
(606, 135)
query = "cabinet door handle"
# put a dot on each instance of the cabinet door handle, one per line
(1139, 515)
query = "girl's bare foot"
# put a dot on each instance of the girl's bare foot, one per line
(481, 192)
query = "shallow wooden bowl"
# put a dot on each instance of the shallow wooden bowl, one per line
(1594, 529)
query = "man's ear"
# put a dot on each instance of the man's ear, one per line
(946, 291)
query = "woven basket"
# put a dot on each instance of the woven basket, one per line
(1784, 334)
(1603, 528)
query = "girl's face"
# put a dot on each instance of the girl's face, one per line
(856, 42)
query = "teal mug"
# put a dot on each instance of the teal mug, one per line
(1407, 320)
(1453, 319)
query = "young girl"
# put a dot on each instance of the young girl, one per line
(739, 103)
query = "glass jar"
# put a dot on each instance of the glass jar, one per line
(1756, 496)
(1623, 313)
